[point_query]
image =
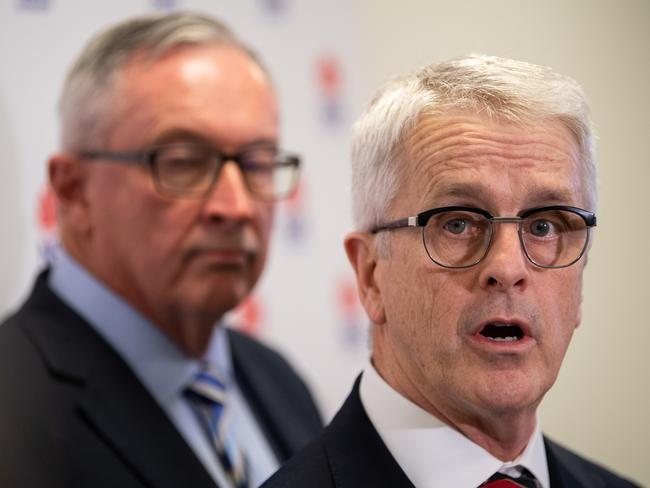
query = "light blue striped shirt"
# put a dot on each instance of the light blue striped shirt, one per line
(162, 367)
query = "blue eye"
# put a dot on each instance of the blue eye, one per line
(456, 226)
(541, 228)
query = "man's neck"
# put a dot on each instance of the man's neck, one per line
(505, 438)
(191, 332)
(504, 435)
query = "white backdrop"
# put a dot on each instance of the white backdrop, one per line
(306, 300)
(327, 57)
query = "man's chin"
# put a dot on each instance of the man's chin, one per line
(217, 300)
(508, 392)
(509, 400)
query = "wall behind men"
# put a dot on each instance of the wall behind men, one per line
(601, 402)
(327, 57)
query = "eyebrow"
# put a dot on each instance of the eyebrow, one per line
(538, 196)
(185, 135)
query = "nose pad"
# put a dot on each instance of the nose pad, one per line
(229, 197)
(505, 265)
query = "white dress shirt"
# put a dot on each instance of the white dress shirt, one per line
(430, 452)
(162, 368)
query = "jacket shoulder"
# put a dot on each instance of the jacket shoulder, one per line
(575, 470)
(309, 467)
(349, 453)
(279, 398)
(255, 361)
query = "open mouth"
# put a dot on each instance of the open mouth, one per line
(502, 332)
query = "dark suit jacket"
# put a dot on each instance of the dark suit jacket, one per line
(72, 413)
(350, 454)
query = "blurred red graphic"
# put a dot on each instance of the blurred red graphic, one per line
(353, 322)
(46, 211)
(248, 316)
(348, 297)
(329, 75)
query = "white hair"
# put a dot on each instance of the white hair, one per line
(492, 87)
(90, 91)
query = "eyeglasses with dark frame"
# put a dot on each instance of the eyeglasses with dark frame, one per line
(460, 237)
(188, 170)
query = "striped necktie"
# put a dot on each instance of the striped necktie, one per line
(207, 394)
(500, 480)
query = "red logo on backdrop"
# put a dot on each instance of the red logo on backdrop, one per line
(330, 85)
(295, 225)
(46, 221)
(47, 210)
(353, 318)
(248, 316)
(329, 75)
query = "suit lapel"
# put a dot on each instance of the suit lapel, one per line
(258, 386)
(111, 400)
(566, 470)
(357, 455)
(125, 416)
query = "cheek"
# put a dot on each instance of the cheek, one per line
(562, 303)
(158, 233)
(430, 303)
(566, 293)
(262, 228)
(266, 219)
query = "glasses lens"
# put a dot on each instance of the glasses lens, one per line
(269, 174)
(456, 239)
(184, 169)
(190, 170)
(554, 238)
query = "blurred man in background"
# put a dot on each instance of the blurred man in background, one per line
(474, 189)
(115, 372)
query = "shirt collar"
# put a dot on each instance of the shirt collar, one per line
(158, 363)
(412, 435)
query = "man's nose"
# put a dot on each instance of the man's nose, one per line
(505, 265)
(229, 197)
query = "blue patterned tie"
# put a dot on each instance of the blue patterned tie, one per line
(207, 393)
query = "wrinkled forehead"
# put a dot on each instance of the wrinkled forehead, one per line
(461, 153)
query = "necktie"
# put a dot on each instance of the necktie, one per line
(207, 393)
(500, 480)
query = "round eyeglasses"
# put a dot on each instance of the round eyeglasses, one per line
(190, 170)
(459, 237)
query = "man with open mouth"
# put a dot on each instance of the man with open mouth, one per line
(474, 197)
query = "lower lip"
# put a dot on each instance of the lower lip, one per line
(519, 346)
(230, 258)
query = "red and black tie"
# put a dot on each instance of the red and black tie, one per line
(500, 480)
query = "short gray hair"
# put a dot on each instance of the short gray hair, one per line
(87, 100)
(495, 88)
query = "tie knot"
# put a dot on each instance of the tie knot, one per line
(501, 480)
(208, 386)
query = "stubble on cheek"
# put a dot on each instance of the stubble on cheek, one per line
(434, 345)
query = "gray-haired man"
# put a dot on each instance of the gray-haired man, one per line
(112, 373)
(474, 193)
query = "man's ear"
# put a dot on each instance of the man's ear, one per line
(69, 179)
(362, 255)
